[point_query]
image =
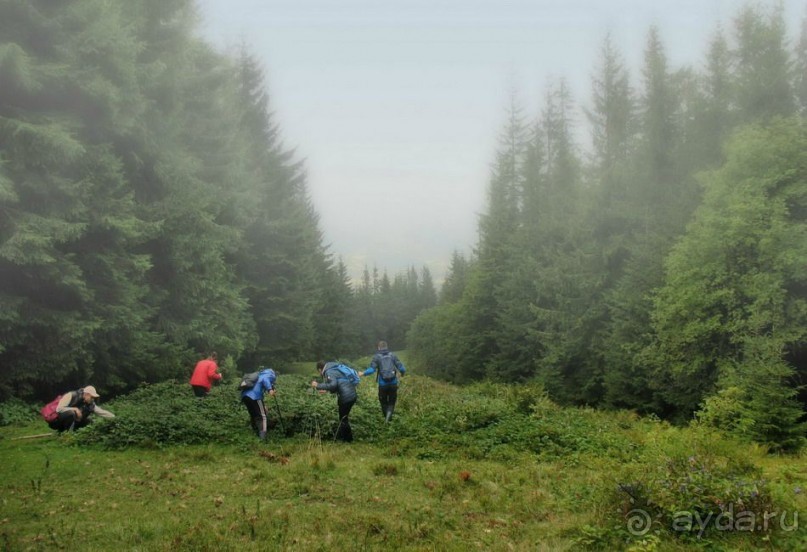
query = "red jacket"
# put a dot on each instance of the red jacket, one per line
(205, 373)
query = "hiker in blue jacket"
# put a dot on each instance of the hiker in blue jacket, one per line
(388, 366)
(253, 400)
(342, 380)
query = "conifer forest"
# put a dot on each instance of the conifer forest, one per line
(643, 245)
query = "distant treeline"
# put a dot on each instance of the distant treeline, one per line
(666, 269)
(149, 211)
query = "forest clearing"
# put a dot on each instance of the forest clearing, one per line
(612, 355)
(489, 467)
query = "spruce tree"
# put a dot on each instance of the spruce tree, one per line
(282, 259)
(731, 309)
(427, 292)
(800, 81)
(653, 217)
(613, 125)
(764, 89)
(495, 248)
(335, 334)
(716, 116)
(456, 279)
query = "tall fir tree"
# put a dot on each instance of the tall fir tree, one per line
(763, 64)
(613, 125)
(494, 255)
(716, 115)
(335, 333)
(427, 292)
(800, 68)
(653, 215)
(283, 257)
(456, 279)
(560, 278)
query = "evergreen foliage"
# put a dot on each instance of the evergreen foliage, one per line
(732, 305)
(150, 210)
(634, 278)
(383, 309)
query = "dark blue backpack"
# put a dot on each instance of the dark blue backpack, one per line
(387, 371)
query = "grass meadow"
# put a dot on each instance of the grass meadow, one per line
(485, 467)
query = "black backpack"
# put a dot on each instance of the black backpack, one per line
(249, 380)
(387, 369)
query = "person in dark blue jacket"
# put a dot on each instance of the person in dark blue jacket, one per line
(387, 366)
(253, 400)
(337, 381)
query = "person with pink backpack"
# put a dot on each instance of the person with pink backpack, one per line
(72, 410)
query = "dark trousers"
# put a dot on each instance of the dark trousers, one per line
(387, 397)
(257, 414)
(200, 391)
(67, 421)
(344, 431)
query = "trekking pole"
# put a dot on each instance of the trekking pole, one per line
(339, 430)
(338, 427)
(40, 435)
(279, 415)
(314, 427)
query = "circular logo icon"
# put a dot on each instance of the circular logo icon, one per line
(639, 523)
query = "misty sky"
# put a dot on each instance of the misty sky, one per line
(396, 105)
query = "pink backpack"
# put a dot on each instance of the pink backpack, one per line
(49, 410)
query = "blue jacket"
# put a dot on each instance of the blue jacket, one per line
(266, 382)
(375, 364)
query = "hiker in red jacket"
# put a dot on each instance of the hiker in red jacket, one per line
(204, 374)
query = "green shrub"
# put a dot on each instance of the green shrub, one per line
(435, 418)
(169, 414)
(15, 411)
(694, 483)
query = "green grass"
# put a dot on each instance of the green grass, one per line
(299, 496)
(486, 467)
